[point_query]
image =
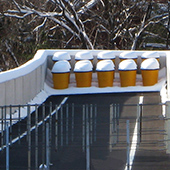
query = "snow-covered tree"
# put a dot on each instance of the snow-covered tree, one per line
(27, 25)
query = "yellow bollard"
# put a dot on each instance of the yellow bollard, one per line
(83, 79)
(127, 78)
(105, 73)
(61, 74)
(83, 73)
(127, 71)
(150, 71)
(61, 80)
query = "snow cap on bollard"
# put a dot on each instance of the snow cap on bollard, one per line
(128, 55)
(61, 74)
(104, 55)
(105, 65)
(127, 70)
(61, 66)
(83, 66)
(150, 54)
(61, 55)
(150, 71)
(128, 64)
(83, 55)
(83, 73)
(150, 64)
(105, 73)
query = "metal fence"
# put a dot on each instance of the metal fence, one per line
(60, 136)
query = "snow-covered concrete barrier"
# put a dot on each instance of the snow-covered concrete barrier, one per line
(21, 85)
(31, 82)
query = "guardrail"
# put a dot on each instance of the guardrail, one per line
(70, 131)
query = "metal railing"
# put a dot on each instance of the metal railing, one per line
(42, 132)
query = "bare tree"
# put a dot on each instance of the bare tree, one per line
(130, 24)
(28, 25)
(62, 15)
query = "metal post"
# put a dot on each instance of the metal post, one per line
(87, 140)
(114, 118)
(91, 123)
(72, 126)
(61, 125)
(36, 137)
(95, 122)
(118, 110)
(50, 130)
(111, 128)
(43, 134)
(10, 127)
(115, 125)
(29, 136)
(7, 146)
(2, 129)
(167, 127)
(47, 147)
(117, 118)
(128, 144)
(5, 117)
(83, 129)
(140, 123)
(19, 126)
(56, 127)
(27, 126)
(67, 118)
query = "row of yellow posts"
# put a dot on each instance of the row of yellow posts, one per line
(104, 55)
(105, 69)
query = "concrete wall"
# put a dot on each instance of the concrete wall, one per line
(168, 74)
(167, 127)
(167, 121)
(20, 85)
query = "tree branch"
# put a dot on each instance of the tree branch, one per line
(41, 25)
(11, 53)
